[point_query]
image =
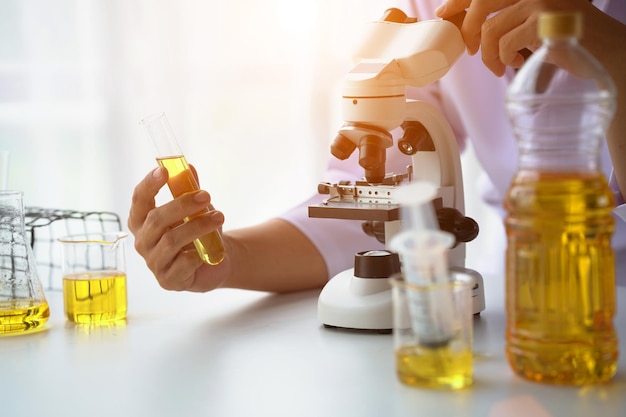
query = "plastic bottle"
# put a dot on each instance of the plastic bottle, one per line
(560, 267)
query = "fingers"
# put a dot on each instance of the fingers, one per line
(194, 172)
(476, 15)
(178, 275)
(499, 28)
(503, 36)
(173, 259)
(143, 197)
(166, 244)
(163, 226)
(163, 238)
(451, 7)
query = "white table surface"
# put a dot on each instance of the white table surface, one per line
(240, 353)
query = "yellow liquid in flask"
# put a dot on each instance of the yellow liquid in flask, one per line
(181, 180)
(560, 276)
(17, 316)
(95, 297)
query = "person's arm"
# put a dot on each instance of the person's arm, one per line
(504, 28)
(273, 256)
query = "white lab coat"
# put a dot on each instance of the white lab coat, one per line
(472, 100)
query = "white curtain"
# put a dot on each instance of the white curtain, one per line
(251, 88)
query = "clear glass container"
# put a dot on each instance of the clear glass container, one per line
(23, 305)
(560, 266)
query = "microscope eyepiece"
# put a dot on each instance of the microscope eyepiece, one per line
(342, 147)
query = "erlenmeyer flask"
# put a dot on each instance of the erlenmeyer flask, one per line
(23, 305)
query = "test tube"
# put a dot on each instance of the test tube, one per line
(169, 155)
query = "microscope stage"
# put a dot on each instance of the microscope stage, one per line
(356, 211)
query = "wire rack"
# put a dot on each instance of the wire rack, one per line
(43, 228)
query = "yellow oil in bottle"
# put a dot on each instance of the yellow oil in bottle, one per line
(181, 180)
(18, 316)
(560, 276)
(95, 297)
(434, 367)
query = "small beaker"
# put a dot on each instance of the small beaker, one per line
(94, 277)
(23, 305)
(424, 361)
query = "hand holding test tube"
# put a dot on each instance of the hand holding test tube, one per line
(181, 180)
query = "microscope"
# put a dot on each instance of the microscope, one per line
(396, 52)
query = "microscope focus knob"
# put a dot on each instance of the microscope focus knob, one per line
(451, 220)
(416, 138)
(376, 264)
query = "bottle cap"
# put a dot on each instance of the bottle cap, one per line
(562, 24)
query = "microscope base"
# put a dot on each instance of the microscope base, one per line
(356, 303)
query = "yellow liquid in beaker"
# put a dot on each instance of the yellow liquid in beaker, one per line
(181, 180)
(440, 367)
(18, 316)
(95, 297)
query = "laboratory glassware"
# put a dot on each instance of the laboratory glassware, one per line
(94, 277)
(23, 305)
(210, 247)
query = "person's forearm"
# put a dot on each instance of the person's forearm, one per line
(274, 256)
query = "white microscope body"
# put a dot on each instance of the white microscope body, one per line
(396, 52)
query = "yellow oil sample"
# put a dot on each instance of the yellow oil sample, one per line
(181, 180)
(560, 278)
(95, 297)
(434, 367)
(18, 316)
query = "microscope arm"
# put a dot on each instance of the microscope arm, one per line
(442, 167)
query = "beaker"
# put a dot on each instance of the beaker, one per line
(23, 305)
(94, 277)
(447, 364)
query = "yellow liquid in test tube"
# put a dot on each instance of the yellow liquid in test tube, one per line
(181, 180)
(95, 296)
